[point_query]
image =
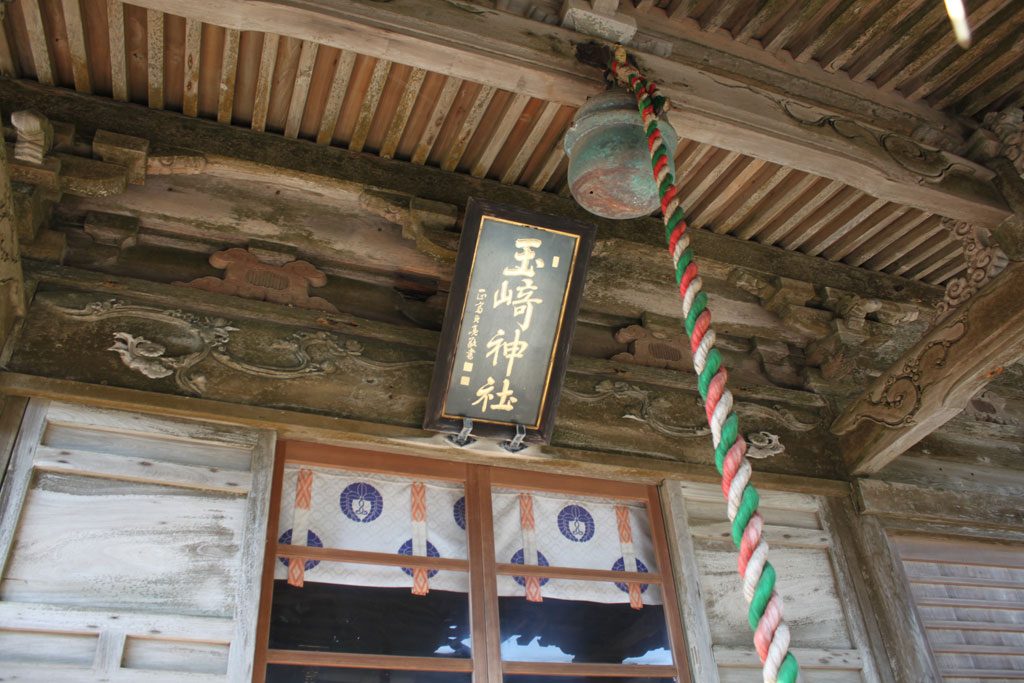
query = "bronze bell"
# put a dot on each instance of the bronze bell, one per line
(609, 165)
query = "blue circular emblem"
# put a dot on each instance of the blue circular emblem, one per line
(361, 502)
(620, 566)
(519, 558)
(459, 511)
(576, 523)
(312, 540)
(406, 549)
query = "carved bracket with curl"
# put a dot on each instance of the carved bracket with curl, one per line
(897, 401)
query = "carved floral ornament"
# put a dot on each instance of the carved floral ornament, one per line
(984, 260)
(200, 338)
(641, 407)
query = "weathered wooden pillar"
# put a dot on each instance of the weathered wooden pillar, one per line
(12, 285)
(880, 586)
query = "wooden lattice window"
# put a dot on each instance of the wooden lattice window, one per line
(969, 596)
(509, 598)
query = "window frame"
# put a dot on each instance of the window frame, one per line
(481, 565)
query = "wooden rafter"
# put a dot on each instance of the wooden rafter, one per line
(205, 137)
(711, 108)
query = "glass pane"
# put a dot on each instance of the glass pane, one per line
(532, 678)
(330, 617)
(286, 673)
(584, 632)
(373, 512)
(571, 531)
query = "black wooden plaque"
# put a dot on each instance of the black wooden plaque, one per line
(508, 326)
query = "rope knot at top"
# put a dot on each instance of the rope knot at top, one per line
(771, 635)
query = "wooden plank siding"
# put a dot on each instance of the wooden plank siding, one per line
(426, 117)
(828, 632)
(131, 547)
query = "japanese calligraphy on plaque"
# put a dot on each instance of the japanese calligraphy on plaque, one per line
(511, 312)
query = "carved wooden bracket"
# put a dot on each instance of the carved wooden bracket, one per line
(776, 361)
(44, 155)
(984, 261)
(116, 232)
(35, 136)
(123, 150)
(248, 277)
(652, 349)
(935, 379)
(429, 224)
(786, 298)
(1001, 134)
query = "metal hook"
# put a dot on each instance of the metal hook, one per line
(463, 439)
(516, 444)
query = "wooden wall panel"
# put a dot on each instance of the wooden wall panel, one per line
(828, 634)
(131, 547)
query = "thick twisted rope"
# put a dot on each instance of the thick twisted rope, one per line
(771, 635)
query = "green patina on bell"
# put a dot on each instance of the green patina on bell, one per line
(609, 165)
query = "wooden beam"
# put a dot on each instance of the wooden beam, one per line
(719, 14)
(834, 27)
(908, 502)
(402, 113)
(38, 44)
(848, 51)
(228, 72)
(118, 58)
(741, 175)
(514, 170)
(437, 116)
(303, 75)
(788, 25)
(193, 53)
(8, 65)
(549, 168)
(155, 57)
(371, 98)
(335, 98)
(396, 439)
(76, 45)
(170, 133)
(268, 60)
(724, 111)
(469, 125)
(864, 70)
(936, 378)
(513, 110)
